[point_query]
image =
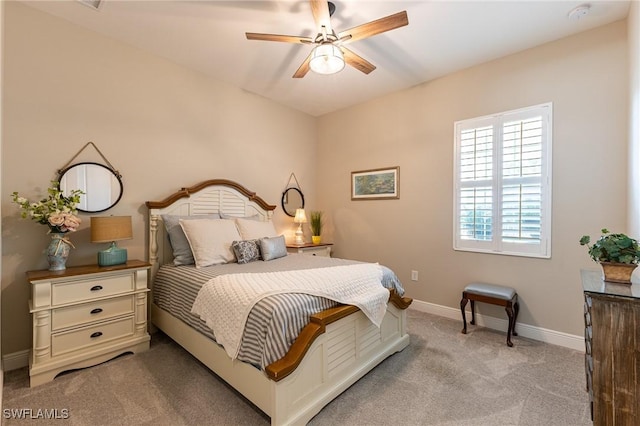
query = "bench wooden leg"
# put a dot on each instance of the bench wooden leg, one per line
(473, 312)
(516, 309)
(510, 314)
(463, 304)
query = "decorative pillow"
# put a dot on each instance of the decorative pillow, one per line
(273, 248)
(210, 240)
(254, 230)
(246, 251)
(182, 254)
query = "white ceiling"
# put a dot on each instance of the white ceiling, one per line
(442, 37)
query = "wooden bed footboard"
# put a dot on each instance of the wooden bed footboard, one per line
(281, 368)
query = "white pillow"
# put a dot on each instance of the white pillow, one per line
(255, 229)
(210, 240)
(182, 254)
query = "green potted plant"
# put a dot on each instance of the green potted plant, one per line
(315, 222)
(618, 255)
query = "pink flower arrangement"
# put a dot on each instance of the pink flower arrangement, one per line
(64, 221)
(56, 211)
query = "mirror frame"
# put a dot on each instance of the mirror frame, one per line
(113, 172)
(284, 195)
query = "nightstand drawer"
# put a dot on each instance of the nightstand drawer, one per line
(92, 335)
(319, 251)
(92, 311)
(323, 249)
(77, 291)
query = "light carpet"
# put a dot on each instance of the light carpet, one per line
(442, 378)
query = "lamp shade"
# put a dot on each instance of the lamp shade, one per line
(300, 217)
(105, 229)
(326, 59)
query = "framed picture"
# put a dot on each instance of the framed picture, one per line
(376, 184)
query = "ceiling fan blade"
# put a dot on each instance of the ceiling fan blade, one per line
(320, 10)
(372, 28)
(304, 68)
(357, 61)
(279, 37)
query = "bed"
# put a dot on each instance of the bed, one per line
(335, 348)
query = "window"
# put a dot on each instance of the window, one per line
(502, 176)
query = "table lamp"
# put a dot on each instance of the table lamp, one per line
(105, 229)
(300, 218)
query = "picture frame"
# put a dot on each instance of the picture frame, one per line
(376, 184)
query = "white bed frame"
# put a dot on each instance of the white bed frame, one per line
(337, 348)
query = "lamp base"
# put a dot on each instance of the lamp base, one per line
(299, 235)
(114, 255)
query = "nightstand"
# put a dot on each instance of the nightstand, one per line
(86, 315)
(322, 249)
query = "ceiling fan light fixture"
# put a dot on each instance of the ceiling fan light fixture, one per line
(326, 59)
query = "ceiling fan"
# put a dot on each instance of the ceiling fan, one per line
(330, 55)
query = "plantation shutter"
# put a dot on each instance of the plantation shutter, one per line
(502, 183)
(476, 175)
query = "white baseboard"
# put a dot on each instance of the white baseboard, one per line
(525, 330)
(20, 359)
(15, 360)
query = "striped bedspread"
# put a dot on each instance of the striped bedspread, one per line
(225, 301)
(274, 323)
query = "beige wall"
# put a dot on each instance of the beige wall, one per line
(585, 76)
(162, 126)
(634, 118)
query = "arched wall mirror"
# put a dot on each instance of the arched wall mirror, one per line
(101, 185)
(292, 199)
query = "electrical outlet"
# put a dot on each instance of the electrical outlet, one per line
(414, 275)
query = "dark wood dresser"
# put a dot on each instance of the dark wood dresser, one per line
(612, 358)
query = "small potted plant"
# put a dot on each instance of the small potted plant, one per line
(315, 222)
(618, 255)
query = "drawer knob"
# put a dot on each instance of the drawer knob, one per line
(96, 288)
(96, 310)
(96, 334)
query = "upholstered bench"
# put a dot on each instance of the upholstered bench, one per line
(496, 295)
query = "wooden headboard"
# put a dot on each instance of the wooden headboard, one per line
(211, 196)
